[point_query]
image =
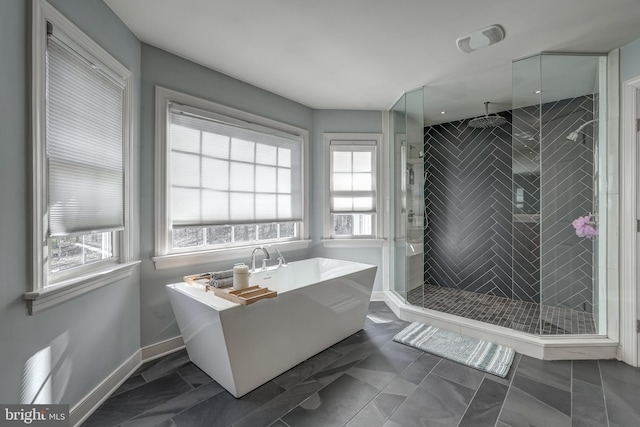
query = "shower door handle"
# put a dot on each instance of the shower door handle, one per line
(426, 219)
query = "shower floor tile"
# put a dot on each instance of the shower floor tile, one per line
(519, 315)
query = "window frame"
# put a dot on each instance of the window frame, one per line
(48, 289)
(354, 141)
(165, 255)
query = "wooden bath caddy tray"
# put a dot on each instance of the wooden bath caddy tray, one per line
(201, 279)
(244, 296)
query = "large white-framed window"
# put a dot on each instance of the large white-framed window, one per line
(81, 162)
(352, 188)
(226, 180)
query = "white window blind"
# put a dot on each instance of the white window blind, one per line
(84, 140)
(224, 171)
(352, 178)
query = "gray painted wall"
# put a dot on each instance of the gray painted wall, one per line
(350, 121)
(630, 61)
(96, 332)
(172, 72)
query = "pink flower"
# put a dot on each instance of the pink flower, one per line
(584, 227)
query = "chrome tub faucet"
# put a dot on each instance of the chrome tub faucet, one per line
(264, 260)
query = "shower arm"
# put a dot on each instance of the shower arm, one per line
(582, 126)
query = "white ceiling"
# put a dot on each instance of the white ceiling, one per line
(363, 54)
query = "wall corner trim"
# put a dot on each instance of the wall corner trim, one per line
(628, 297)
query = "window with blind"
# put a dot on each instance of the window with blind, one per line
(230, 182)
(352, 188)
(81, 103)
(81, 126)
(84, 153)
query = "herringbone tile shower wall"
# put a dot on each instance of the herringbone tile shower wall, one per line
(567, 193)
(481, 237)
(468, 188)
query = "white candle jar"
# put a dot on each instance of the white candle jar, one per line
(240, 276)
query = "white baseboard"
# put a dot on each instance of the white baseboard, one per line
(377, 296)
(83, 409)
(161, 348)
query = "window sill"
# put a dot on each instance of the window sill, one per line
(164, 262)
(353, 243)
(64, 291)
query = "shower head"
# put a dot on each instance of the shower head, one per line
(573, 136)
(487, 121)
(420, 153)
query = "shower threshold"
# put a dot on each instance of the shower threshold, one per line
(514, 314)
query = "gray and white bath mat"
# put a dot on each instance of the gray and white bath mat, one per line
(479, 354)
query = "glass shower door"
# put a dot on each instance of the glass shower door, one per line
(559, 152)
(397, 229)
(572, 111)
(407, 182)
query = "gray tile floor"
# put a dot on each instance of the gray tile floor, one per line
(369, 380)
(519, 315)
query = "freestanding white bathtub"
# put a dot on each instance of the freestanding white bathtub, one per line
(320, 302)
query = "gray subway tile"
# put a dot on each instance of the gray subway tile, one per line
(621, 384)
(485, 406)
(133, 402)
(307, 368)
(587, 371)
(280, 405)
(436, 402)
(333, 405)
(553, 373)
(377, 411)
(549, 395)
(458, 373)
(587, 408)
(521, 409)
(223, 409)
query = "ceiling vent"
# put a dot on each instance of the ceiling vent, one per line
(480, 38)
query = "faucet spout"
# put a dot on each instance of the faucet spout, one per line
(281, 261)
(264, 261)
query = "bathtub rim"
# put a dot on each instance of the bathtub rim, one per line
(221, 304)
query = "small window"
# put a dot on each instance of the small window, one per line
(228, 182)
(70, 252)
(352, 186)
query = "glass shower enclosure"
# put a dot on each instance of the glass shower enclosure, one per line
(537, 182)
(408, 219)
